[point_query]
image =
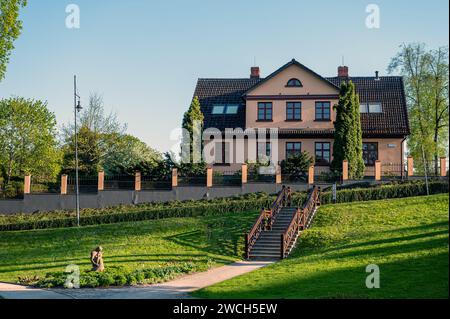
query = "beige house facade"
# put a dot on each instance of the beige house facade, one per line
(295, 104)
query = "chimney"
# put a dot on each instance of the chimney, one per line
(343, 71)
(254, 72)
(376, 76)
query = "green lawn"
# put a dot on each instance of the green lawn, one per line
(204, 241)
(407, 238)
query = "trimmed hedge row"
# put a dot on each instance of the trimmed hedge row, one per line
(117, 276)
(237, 204)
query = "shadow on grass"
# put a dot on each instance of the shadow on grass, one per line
(424, 277)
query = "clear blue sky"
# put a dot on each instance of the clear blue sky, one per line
(145, 56)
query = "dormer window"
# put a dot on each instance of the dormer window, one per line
(294, 83)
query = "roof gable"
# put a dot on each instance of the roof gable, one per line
(275, 83)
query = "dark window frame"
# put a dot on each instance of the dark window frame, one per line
(319, 106)
(294, 83)
(291, 105)
(290, 151)
(321, 161)
(367, 152)
(265, 106)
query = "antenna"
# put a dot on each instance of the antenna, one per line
(343, 62)
(254, 60)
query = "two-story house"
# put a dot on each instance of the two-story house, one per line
(299, 103)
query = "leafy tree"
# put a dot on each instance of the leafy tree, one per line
(425, 74)
(104, 145)
(191, 162)
(130, 154)
(348, 134)
(28, 140)
(89, 153)
(296, 165)
(10, 27)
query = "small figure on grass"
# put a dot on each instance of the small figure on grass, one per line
(97, 259)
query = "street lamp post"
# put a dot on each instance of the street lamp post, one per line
(77, 108)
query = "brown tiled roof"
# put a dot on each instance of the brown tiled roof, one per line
(389, 90)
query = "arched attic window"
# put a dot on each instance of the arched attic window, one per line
(294, 83)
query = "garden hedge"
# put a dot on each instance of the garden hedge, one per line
(238, 204)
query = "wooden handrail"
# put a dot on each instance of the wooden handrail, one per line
(264, 221)
(299, 220)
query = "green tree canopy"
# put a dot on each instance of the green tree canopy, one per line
(425, 76)
(10, 27)
(28, 139)
(348, 134)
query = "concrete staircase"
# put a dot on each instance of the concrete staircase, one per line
(268, 244)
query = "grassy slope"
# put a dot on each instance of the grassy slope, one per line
(205, 241)
(407, 238)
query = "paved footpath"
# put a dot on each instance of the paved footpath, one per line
(175, 289)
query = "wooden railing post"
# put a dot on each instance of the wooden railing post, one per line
(137, 181)
(209, 177)
(244, 171)
(344, 170)
(101, 181)
(174, 177)
(443, 166)
(311, 175)
(63, 184)
(278, 174)
(247, 256)
(410, 165)
(27, 184)
(377, 170)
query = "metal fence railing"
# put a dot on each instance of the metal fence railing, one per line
(227, 178)
(301, 178)
(323, 174)
(149, 182)
(254, 177)
(117, 182)
(40, 186)
(393, 171)
(191, 180)
(86, 184)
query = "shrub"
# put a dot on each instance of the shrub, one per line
(237, 204)
(118, 276)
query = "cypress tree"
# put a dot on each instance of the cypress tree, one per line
(192, 115)
(348, 134)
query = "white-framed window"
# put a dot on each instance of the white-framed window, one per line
(371, 107)
(225, 109)
(218, 109)
(375, 108)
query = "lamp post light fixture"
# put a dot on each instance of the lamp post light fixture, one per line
(77, 109)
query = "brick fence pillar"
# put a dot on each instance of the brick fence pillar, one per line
(174, 177)
(377, 170)
(27, 184)
(410, 165)
(63, 184)
(344, 170)
(278, 174)
(311, 175)
(137, 181)
(101, 181)
(244, 171)
(443, 166)
(209, 177)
